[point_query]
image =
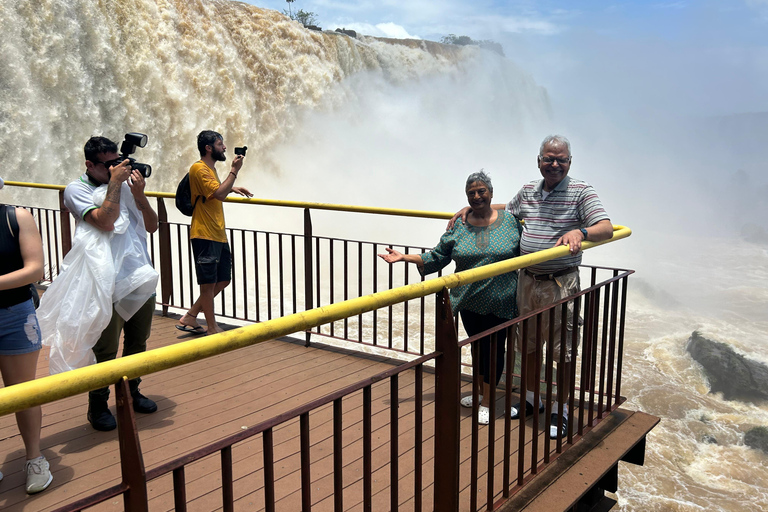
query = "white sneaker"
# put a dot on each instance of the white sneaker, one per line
(39, 475)
(483, 415)
(467, 400)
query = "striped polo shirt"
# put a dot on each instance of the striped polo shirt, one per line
(573, 204)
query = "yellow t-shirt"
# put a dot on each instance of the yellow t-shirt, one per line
(208, 217)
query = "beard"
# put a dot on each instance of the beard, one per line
(218, 156)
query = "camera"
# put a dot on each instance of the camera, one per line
(241, 151)
(128, 147)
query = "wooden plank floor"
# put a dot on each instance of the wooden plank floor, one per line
(203, 402)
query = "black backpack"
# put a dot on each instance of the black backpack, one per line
(184, 197)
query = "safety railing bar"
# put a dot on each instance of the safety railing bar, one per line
(269, 470)
(269, 276)
(418, 455)
(548, 360)
(227, 488)
(475, 433)
(593, 358)
(574, 341)
(338, 461)
(394, 446)
(281, 274)
(603, 351)
(306, 481)
(294, 279)
(375, 282)
(620, 358)
(367, 450)
(510, 367)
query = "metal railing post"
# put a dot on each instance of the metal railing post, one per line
(131, 459)
(166, 265)
(446, 494)
(308, 289)
(66, 230)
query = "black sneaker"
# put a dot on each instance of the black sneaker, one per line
(515, 412)
(553, 434)
(143, 404)
(101, 419)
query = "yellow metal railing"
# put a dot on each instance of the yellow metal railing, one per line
(55, 387)
(276, 202)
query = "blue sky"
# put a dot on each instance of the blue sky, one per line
(689, 58)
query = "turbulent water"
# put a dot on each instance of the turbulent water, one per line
(377, 122)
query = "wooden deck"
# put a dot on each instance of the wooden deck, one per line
(206, 401)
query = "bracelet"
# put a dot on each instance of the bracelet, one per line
(583, 233)
(233, 173)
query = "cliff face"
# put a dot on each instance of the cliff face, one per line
(170, 68)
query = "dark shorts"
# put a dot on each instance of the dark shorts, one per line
(213, 261)
(19, 330)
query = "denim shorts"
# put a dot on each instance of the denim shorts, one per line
(213, 261)
(19, 330)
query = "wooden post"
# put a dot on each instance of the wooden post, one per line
(131, 459)
(308, 289)
(66, 229)
(447, 386)
(166, 265)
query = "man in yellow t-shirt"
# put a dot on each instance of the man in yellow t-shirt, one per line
(213, 261)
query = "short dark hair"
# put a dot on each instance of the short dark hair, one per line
(207, 138)
(98, 145)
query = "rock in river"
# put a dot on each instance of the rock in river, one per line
(729, 373)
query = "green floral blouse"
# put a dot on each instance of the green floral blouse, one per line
(474, 246)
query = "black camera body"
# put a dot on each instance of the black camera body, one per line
(241, 151)
(128, 147)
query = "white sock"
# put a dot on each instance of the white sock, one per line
(565, 409)
(529, 398)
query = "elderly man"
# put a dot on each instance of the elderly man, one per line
(557, 210)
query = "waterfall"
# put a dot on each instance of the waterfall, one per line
(171, 68)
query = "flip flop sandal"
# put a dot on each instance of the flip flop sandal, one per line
(197, 329)
(467, 401)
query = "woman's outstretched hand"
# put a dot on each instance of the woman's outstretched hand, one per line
(393, 256)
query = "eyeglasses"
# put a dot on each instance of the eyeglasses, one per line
(549, 160)
(110, 163)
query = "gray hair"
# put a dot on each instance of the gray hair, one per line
(482, 177)
(557, 140)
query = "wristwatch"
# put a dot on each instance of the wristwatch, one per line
(583, 233)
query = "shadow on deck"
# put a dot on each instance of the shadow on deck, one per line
(205, 401)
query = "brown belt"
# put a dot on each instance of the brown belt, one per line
(552, 276)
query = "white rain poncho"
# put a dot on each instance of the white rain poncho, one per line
(103, 268)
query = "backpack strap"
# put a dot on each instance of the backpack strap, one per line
(13, 223)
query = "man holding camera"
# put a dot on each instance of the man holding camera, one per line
(213, 261)
(124, 201)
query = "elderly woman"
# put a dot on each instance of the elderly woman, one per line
(21, 263)
(487, 237)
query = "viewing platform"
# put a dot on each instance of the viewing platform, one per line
(205, 401)
(339, 392)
